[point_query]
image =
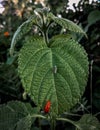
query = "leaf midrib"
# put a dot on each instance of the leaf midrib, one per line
(53, 78)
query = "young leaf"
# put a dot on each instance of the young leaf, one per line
(37, 71)
(15, 115)
(21, 31)
(67, 24)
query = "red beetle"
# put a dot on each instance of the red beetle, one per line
(47, 107)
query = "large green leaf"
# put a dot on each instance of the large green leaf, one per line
(57, 73)
(67, 24)
(15, 116)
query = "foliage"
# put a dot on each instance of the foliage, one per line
(39, 78)
(85, 15)
(9, 85)
(88, 122)
(66, 24)
(16, 115)
(22, 30)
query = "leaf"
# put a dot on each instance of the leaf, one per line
(10, 84)
(24, 123)
(21, 31)
(15, 115)
(88, 122)
(93, 17)
(67, 24)
(57, 73)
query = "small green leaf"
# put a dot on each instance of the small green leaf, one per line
(63, 86)
(88, 122)
(24, 123)
(21, 31)
(16, 115)
(67, 24)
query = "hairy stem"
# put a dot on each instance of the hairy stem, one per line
(45, 35)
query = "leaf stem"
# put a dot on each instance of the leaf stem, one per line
(53, 123)
(45, 35)
(91, 76)
(70, 121)
(39, 116)
(45, 30)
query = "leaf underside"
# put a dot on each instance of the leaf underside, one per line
(67, 24)
(57, 73)
(21, 31)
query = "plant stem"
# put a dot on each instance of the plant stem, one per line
(39, 116)
(52, 124)
(91, 76)
(45, 29)
(45, 35)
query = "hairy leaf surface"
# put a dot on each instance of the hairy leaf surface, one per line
(21, 31)
(88, 122)
(67, 24)
(57, 73)
(15, 116)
